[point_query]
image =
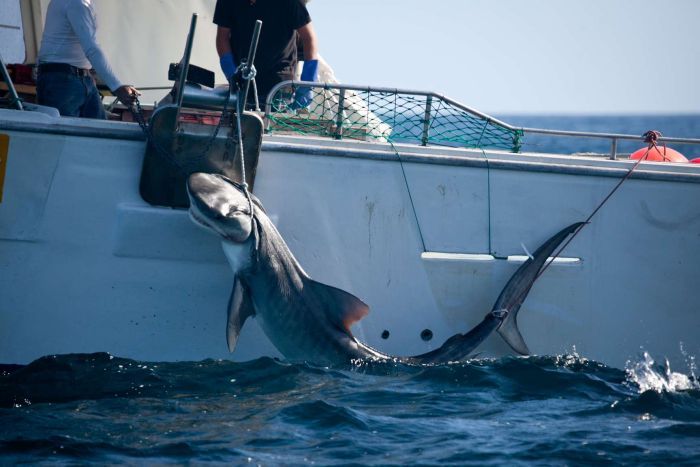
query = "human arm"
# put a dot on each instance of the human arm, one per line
(309, 72)
(82, 21)
(223, 48)
(307, 35)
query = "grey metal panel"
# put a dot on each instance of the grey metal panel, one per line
(527, 207)
(452, 206)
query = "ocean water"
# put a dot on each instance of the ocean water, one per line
(101, 409)
(553, 410)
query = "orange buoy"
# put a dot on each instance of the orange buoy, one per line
(695, 161)
(659, 154)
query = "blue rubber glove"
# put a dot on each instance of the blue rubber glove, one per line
(228, 65)
(304, 95)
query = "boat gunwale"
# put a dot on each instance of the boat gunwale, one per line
(463, 157)
(490, 159)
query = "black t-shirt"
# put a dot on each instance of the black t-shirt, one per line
(277, 48)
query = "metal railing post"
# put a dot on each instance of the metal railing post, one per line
(613, 150)
(339, 117)
(184, 68)
(426, 120)
(249, 62)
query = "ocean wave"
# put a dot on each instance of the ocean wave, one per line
(105, 409)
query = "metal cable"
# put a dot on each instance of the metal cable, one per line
(410, 197)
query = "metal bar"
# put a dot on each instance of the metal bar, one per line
(185, 66)
(154, 88)
(339, 117)
(251, 56)
(605, 135)
(10, 86)
(426, 120)
(613, 150)
(10, 26)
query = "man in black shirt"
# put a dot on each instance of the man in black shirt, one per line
(276, 56)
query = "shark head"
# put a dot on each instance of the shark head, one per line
(220, 205)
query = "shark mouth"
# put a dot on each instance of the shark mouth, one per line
(200, 220)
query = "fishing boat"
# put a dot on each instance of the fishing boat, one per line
(421, 206)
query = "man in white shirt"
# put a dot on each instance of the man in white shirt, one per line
(68, 50)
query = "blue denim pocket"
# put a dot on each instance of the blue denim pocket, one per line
(64, 91)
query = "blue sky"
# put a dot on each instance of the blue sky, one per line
(522, 56)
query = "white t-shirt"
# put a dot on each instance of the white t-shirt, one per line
(70, 37)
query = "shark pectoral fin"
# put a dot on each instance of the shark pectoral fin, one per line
(511, 334)
(342, 307)
(240, 307)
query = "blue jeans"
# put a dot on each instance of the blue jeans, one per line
(72, 95)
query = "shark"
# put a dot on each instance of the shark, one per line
(308, 321)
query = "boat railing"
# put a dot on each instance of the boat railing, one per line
(406, 116)
(397, 115)
(613, 138)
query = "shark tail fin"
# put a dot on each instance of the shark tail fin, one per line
(504, 314)
(511, 334)
(519, 285)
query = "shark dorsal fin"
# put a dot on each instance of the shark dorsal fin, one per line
(343, 308)
(240, 308)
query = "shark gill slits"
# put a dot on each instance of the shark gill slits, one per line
(426, 335)
(385, 334)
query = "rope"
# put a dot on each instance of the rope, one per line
(410, 197)
(239, 131)
(488, 187)
(650, 137)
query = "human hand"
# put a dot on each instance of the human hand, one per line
(304, 96)
(127, 94)
(227, 65)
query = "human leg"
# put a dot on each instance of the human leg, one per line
(63, 91)
(92, 108)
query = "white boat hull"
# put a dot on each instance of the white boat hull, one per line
(87, 265)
